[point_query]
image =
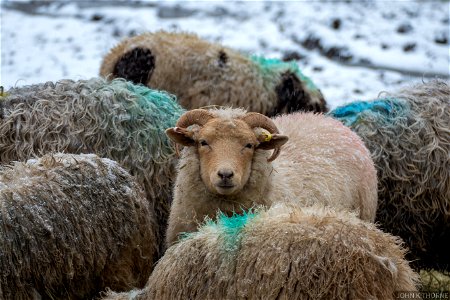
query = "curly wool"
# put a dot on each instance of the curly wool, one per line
(70, 226)
(283, 253)
(408, 135)
(202, 74)
(433, 281)
(116, 119)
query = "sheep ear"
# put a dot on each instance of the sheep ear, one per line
(181, 136)
(275, 141)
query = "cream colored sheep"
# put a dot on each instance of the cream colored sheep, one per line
(225, 165)
(282, 253)
(201, 73)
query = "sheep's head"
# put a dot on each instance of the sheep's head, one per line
(226, 145)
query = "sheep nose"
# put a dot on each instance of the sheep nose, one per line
(225, 174)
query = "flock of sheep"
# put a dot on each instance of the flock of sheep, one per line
(111, 187)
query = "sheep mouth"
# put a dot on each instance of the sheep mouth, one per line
(225, 188)
(226, 185)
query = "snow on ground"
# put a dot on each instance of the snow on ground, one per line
(350, 49)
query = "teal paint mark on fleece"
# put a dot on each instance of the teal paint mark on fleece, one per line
(145, 114)
(164, 104)
(229, 229)
(269, 65)
(353, 113)
(158, 109)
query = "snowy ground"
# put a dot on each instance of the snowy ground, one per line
(351, 49)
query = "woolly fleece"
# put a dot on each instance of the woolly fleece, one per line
(408, 135)
(117, 120)
(202, 74)
(70, 226)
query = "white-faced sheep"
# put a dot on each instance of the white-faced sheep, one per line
(225, 165)
(72, 225)
(117, 120)
(201, 73)
(408, 135)
(283, 253)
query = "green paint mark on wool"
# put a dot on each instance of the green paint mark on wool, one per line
(230, 228)
(384, 110)
(152, 100)
(144, 115)
(157, 108)
(271, 66)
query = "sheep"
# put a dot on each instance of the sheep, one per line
(408, 135)
(283, 253)
(434, 281)
(72, 225)
(117, 120)
(201, 73)
(225, 165)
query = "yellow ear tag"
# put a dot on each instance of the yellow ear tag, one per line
(267, 136)
(2, 92)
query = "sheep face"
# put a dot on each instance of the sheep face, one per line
(225, 148)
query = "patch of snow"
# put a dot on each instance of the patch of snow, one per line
(32, 161)
(356, 49)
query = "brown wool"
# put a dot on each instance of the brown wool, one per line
(107, 118)
(70, 226)
(412, 155)
(202, 74)
(284, 253)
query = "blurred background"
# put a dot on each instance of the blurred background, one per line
(351, 49)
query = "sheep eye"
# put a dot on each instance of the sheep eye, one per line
(203, 143)
(250, 146)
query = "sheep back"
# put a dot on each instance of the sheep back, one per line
(284, 253)
(433, 281)
(201, 73)
(408, 135)
(324, 162)
(117, 120)
(70, 226)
